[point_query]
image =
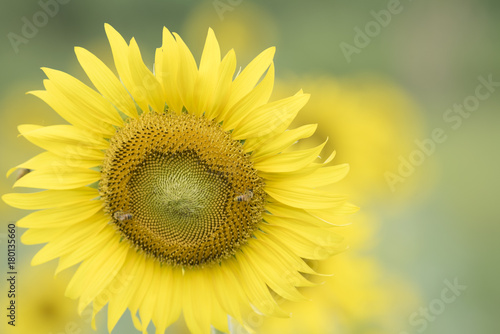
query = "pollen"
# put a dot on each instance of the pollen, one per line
(169, 184)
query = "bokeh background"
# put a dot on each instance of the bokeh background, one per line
(393, 88)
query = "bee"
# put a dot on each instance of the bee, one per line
(122, 216)
(244, 197)
(21, 172)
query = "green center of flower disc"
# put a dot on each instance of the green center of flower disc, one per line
(180, 189)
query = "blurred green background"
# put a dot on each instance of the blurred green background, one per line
(440, 225)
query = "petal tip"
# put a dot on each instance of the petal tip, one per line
(78, 50)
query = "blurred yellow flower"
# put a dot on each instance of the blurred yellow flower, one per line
(41, 306)
(361, 297)
(246, 28)
(370, 123)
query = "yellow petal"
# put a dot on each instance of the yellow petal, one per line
(288, 266)
(208, 74)
(71, 111)
(302, 197)
(318, 178)
(332, 215)
(330, 158)
(166, 70)
(35, 236)
(255, 289)
(281, 126)
(189, 72)
(67, 134)
(103, 269)
(47, 160)
(143, 282)
(145, 83)
(279, 143)
(304, 171)
(150, 297)
(58, 177)
(66, 140)
(219, 318)
(324, 176)
(277, 248)
(228, 292)
(254, 99)
(106, 82)
(89, 101)
(223, 88)
(196, 290)
(269, 271)
(321, 236)
(66, 238)
(119, 48)
(169, 302)
(62, 216)
(249, 77)
(97, 305)
(50, 198)
(301, 246)
(83, 249)
(269, 117)
(128, 283)
(282, 210)
(120, 51)
(97, 272)
(289, 161)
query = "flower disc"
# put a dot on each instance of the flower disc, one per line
(180, 189)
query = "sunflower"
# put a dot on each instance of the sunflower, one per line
(176, 190)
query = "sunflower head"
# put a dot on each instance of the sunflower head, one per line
(178, 188)
(175, 187)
